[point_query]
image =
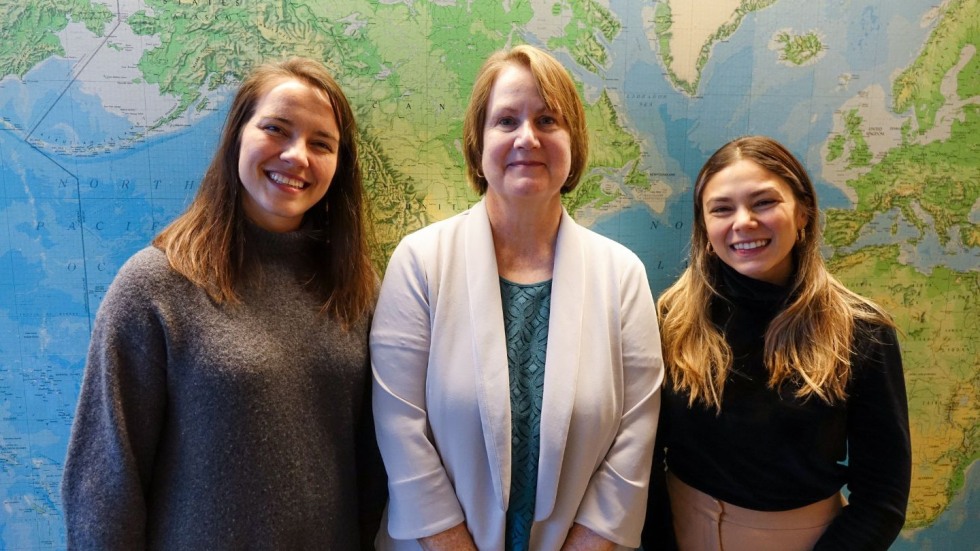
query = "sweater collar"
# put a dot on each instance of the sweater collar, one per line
(266, 244)
(738, 287)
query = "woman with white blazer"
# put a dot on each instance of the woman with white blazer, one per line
(516, 355)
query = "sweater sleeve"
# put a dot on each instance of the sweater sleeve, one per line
(118, 421)
(879, 449)
(422, 500)
(372, 482)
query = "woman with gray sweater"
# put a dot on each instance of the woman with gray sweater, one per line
(224, 400)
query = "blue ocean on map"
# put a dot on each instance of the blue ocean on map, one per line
(68, 224)
(957, 529)
(43, 107)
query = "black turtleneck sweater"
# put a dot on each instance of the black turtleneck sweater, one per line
(770, 451)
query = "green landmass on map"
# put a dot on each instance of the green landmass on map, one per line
(28, 30)
(918, 87)
(409, 110)
(933, 185)
(940, 178)
(936, 315)
(851, 141)
(613, 153)
(589, 22)
(798, 49)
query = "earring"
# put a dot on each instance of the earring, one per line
(801, 235)
(711, 250)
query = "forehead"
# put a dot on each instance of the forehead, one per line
(514, 83)
(294, 97)
(744, 178)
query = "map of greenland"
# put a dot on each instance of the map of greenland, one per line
(686, 30)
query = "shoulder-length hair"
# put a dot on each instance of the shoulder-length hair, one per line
(206, 243)
(808, 344)
(559, 94)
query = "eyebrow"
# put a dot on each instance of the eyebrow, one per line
(753, 195)
(502, 108)
(515, 105)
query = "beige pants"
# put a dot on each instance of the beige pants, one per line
(702, 523)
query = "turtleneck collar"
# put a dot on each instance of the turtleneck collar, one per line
(266, 244)
(738, 287)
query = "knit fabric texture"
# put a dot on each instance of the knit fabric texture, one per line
(207, 426)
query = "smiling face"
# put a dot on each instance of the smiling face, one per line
(526, 145)
(288, 155)
(752, 219)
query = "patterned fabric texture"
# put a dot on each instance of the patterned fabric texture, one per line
(526, 309)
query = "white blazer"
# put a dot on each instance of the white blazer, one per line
(442, 393)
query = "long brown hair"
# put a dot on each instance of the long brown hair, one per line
(808, 344)
(206, 243)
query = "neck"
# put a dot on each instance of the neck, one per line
(524, 239)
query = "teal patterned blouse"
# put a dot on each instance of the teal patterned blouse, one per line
(526, 310)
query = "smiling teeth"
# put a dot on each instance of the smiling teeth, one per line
(283, 180)
(749, 245)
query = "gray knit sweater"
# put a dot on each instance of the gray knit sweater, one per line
(205, 426)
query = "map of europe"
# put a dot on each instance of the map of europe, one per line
(110, 111)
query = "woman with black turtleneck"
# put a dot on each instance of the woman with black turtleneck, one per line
(783, 385)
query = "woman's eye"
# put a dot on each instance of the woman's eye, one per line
(506, 121)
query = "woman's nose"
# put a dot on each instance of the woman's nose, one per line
(744, 218)
(295, 153)
(527, 137)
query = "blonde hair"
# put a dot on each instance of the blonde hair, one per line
(206, 244)
(808, 344)
(558, 92)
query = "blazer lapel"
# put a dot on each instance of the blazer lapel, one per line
(565, 338)
(489, 348)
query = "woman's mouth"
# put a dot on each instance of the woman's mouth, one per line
(284, 180)
(749, 245)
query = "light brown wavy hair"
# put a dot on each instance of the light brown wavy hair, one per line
(808, 344)
(206, 243)
(559, 94)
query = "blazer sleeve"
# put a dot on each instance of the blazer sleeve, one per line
(879, 449)
(118, 421)
(422, 500)
(614, 504)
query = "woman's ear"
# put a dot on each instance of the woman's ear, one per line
(801, 217)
